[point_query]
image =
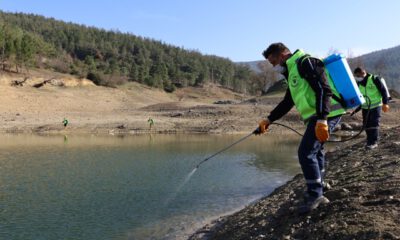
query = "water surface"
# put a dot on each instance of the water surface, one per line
(100, 187)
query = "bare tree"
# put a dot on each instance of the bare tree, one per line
(333, 50)
(354, 61)
(267, 76)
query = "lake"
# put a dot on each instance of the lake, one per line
(133, 187)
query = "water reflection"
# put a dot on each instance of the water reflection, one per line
(277, 154)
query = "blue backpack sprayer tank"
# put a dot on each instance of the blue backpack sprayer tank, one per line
(344, 81)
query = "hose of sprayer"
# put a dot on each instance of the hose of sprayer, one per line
(294, 130)
(337, 141)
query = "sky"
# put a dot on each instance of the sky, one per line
(237, 29)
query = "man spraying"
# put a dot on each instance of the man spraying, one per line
(309, 89)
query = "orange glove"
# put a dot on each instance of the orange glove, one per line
(385, 108)
(263, 126)
(321, 130)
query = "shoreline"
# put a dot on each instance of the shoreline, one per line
(365, 201)
(131, 129)
(128, 108)
(117, 130)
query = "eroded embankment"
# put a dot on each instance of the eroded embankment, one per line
(365, 201)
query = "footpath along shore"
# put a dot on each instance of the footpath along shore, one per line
(365, 200)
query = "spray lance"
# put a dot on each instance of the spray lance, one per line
(238, 141)
(224, 149)
(205, 160)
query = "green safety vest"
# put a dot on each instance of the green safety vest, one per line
(371, 93)
(303, 95)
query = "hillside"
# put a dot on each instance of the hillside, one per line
(384, 62)
(110, 58)
(39, 101)
(253, 65)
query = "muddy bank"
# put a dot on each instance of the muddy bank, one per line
(365, 200)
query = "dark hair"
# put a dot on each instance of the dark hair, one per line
(274, 48)
(358, 70)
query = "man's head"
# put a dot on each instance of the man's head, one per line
(276, 54)
(360, 73)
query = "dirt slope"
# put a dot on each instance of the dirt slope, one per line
(365, 201)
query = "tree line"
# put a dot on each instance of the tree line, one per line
(112, 57)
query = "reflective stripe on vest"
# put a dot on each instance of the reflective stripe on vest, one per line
(371, 93)
(303, 95)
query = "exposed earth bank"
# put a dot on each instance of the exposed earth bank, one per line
(39, 101)
(365, 201)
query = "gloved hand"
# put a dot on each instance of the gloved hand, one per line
(385, 108)
(322, 131)
(263, 126)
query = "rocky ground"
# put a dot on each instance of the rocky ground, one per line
(365, 201)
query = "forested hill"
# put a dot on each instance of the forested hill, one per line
(110, 57)
(384, 62)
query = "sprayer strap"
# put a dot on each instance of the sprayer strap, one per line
(301, 59)
(338, 99)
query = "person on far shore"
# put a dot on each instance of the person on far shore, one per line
(151, 123)
(65, 122)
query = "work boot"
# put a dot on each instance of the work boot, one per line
(371, 146)
(311, 204)
(326, 186)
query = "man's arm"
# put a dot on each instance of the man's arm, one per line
(313, 70)
(282, 108)
(378, 83)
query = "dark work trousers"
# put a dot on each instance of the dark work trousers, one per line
(312, 157)
(372, 124)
